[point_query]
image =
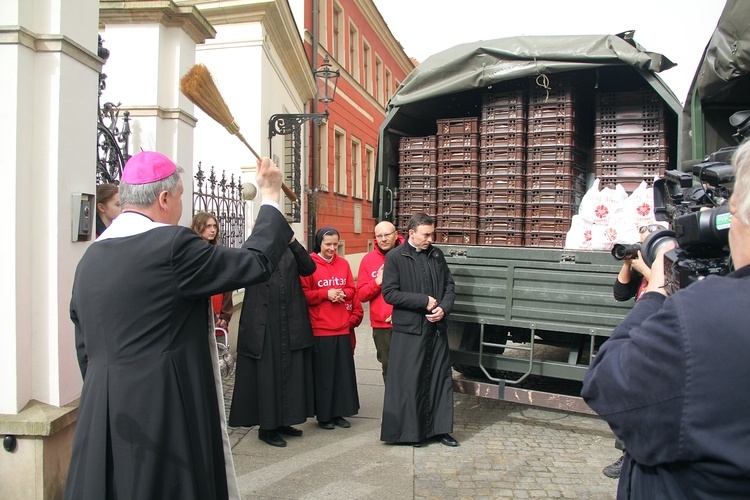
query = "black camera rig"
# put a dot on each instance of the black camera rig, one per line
(695, 203)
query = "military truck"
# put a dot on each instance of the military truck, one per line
(526, 296)
(514, 298)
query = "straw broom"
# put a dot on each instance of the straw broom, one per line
(199, 86)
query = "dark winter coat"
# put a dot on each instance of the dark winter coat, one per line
(254, 318)
(402, 288)
(671, 382)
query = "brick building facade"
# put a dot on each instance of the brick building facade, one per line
(358, 43)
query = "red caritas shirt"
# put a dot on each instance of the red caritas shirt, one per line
(369, 291)
(328, 318)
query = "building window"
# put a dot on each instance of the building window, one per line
(322, 25)
(369, 172)
(323, 157)
(388, 86)
(378, 79)
(337, 22)
(339, 163)
(356, 168)
(366, 66)
(291, 177)
(354, 52)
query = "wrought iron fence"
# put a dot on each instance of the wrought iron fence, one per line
(223, 198)
(112, 140)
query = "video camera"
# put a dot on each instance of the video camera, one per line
(698, 213)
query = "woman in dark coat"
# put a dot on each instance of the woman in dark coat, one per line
(273, 385)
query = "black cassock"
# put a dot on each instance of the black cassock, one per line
(418, 402)
(273, 383)
(151, 419)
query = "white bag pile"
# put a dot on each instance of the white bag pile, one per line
(610, 216)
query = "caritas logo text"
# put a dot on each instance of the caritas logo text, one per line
(332, 282)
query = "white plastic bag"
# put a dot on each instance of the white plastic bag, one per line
(579, 235)
(639, 206)
(623, 230)
(598, 207)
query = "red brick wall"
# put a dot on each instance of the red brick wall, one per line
(355, 113)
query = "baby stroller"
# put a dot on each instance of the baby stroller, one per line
(226, 361)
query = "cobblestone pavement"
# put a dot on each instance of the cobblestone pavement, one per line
(507, 450)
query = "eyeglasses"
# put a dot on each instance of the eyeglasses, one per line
(384, 235)
(650, 228)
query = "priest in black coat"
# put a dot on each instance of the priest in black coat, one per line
(151, 416)
(418, 402)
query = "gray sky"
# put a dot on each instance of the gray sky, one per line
(679, 29)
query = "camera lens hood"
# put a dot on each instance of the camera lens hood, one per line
(653, 242)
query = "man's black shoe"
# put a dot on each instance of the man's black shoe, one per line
(341, 422)
(448, 440)
(326, 425)
(288, 430)
(613, 470)
(271, 437)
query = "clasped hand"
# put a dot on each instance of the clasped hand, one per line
(436, 315)
(336, 295)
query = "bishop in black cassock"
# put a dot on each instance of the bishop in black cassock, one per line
(151, 416)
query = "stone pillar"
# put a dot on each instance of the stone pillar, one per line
(152, 44)
(48, 94)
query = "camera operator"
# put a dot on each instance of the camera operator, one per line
(634, 274)
(671, 381)
(631, 282)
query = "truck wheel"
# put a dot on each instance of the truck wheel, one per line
(470, 342)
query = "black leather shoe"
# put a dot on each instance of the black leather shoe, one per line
(271, 437)
(288, 430)
(613, 470)
(341, 422)
(326, 425)
(448, 440)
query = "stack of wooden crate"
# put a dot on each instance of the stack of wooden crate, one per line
(417, 180)
(502, 168)
(630, 140)
(516, 176)
(558, 137)
(457, 180)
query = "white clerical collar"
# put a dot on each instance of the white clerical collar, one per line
(415, 248)
(327, 260)
(129, 224)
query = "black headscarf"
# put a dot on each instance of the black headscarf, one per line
(323, 231)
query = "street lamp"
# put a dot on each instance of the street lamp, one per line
(326, 80)
(286, 124)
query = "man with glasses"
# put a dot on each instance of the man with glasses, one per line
(369, 282)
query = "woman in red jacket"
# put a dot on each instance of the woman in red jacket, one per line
(327, 291)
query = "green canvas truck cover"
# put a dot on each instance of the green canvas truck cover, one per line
(434, 89)
(721, 85)
(484, 63)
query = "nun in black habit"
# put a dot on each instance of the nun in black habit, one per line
(273, 386)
